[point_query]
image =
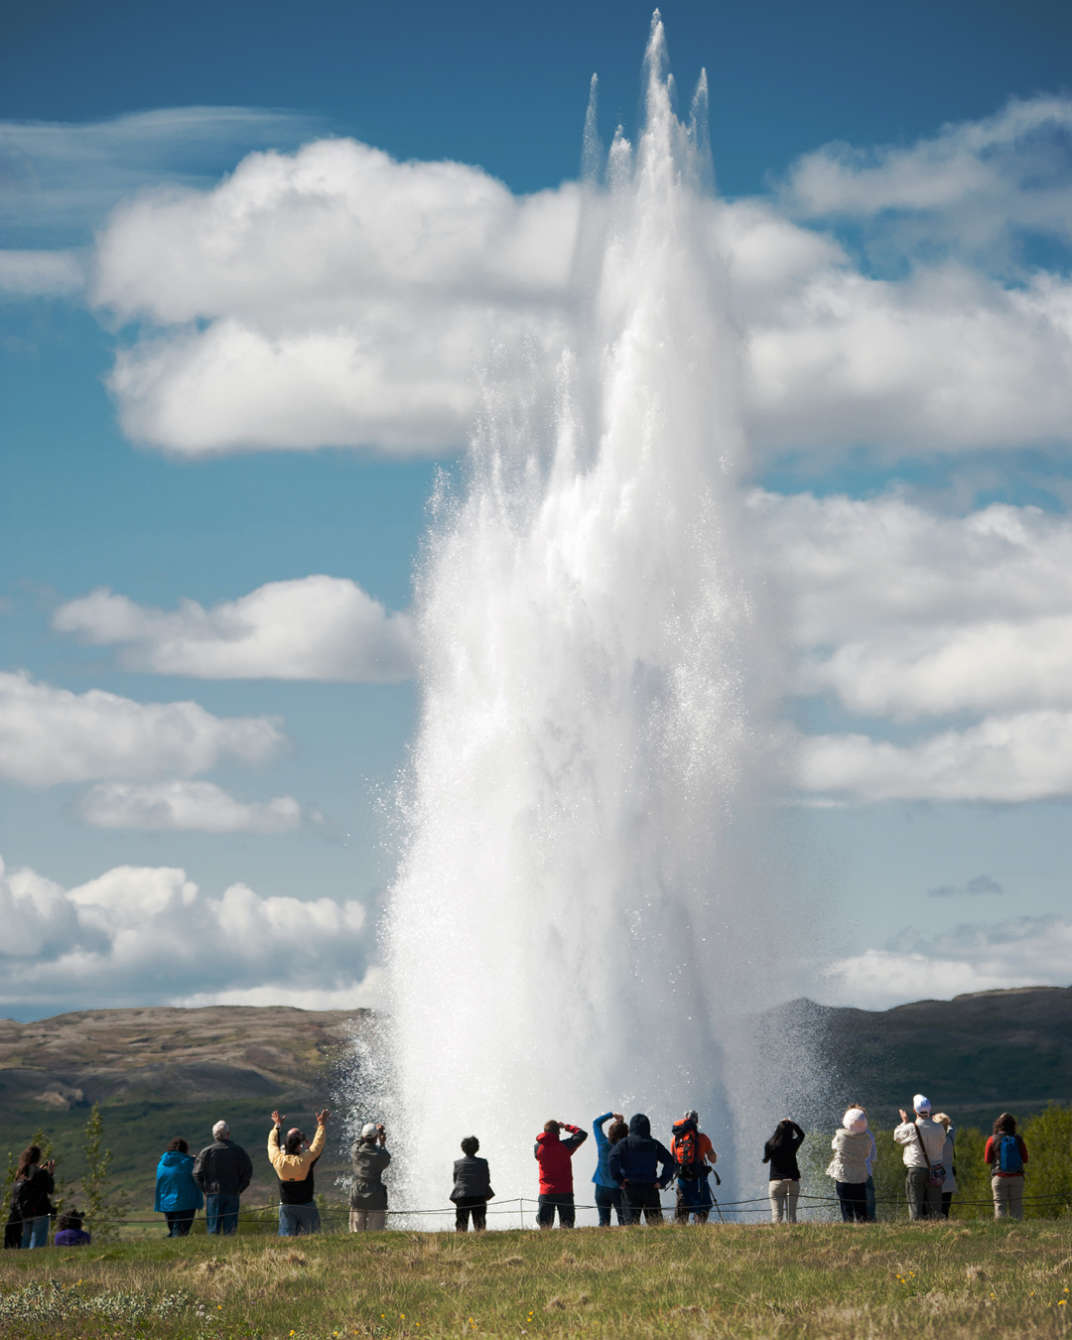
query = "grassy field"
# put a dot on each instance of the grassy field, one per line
(944, 1280)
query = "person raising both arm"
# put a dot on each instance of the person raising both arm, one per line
(293, 1163)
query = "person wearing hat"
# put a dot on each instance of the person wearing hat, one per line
(922, 1140)
(368, 1196)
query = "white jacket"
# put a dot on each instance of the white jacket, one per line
(852, 1150)
(933, 1133)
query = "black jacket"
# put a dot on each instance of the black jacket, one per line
(368, 1158)
(781, 1154)
(638, 1157)
(32, 1192)
(223, 1169)
(472, 1180)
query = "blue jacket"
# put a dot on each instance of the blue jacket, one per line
(175, 1185)
(637, 1157)
(602, 1176)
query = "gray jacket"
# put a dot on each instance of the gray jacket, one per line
(472, 1181)
(368, 1158)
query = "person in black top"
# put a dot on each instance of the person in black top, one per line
(780, 1152)
(222, 1170)
(472, 1188)
(33, 1187)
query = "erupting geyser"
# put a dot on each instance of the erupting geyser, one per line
(575, 921)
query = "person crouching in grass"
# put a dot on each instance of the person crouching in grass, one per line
(293, 1164)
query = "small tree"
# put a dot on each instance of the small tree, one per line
(1049, 1175)
(103, 1204)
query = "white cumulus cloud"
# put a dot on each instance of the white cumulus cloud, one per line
(1003, 759)
(50, 735)
(1033, 951)
(186, 806)
(1009, 169)
(317, 628)
(150, 935)
(335, 296)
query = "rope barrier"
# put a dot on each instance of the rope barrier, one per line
(518, 1204)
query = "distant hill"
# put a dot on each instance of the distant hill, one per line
(974, 1055)
(158, 1073)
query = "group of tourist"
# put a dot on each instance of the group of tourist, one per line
(632, 1169)
(928, 1147)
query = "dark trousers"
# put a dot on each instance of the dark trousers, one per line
(179, 1222)
(562, 1201)
(853, 1198)
(642, 1197)
(467, 1206)
(947, 1200)
(609, 1198)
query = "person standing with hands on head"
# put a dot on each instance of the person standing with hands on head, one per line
(555, 1157)
(923, 1140)
(222, 1170)
(608, 1192)
(783, 1187)
(368, 1196)
(293, 1164)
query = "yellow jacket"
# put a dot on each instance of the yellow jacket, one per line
(294, 1167)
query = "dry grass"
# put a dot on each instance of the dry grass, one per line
(808, 1281)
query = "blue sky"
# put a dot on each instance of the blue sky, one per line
(894, 180)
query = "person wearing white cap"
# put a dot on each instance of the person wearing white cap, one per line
(852, 1150)
(922, 1140)
(368, 1197)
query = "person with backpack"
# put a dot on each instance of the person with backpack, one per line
(555, 1158)
(783, 1188)
(472, 1188)
(31, 1201)
(608, 1192)
(922, 1140)
(694, 1159)
(1006, 1153)
(642, 1166)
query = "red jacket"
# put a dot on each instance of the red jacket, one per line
(554, 1157)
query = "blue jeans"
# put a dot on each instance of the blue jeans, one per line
(294, 1220)
(35, 1231)
(870, 1184)
(607, 1198)
(221, 1213)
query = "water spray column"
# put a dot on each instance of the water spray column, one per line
(568, 929)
